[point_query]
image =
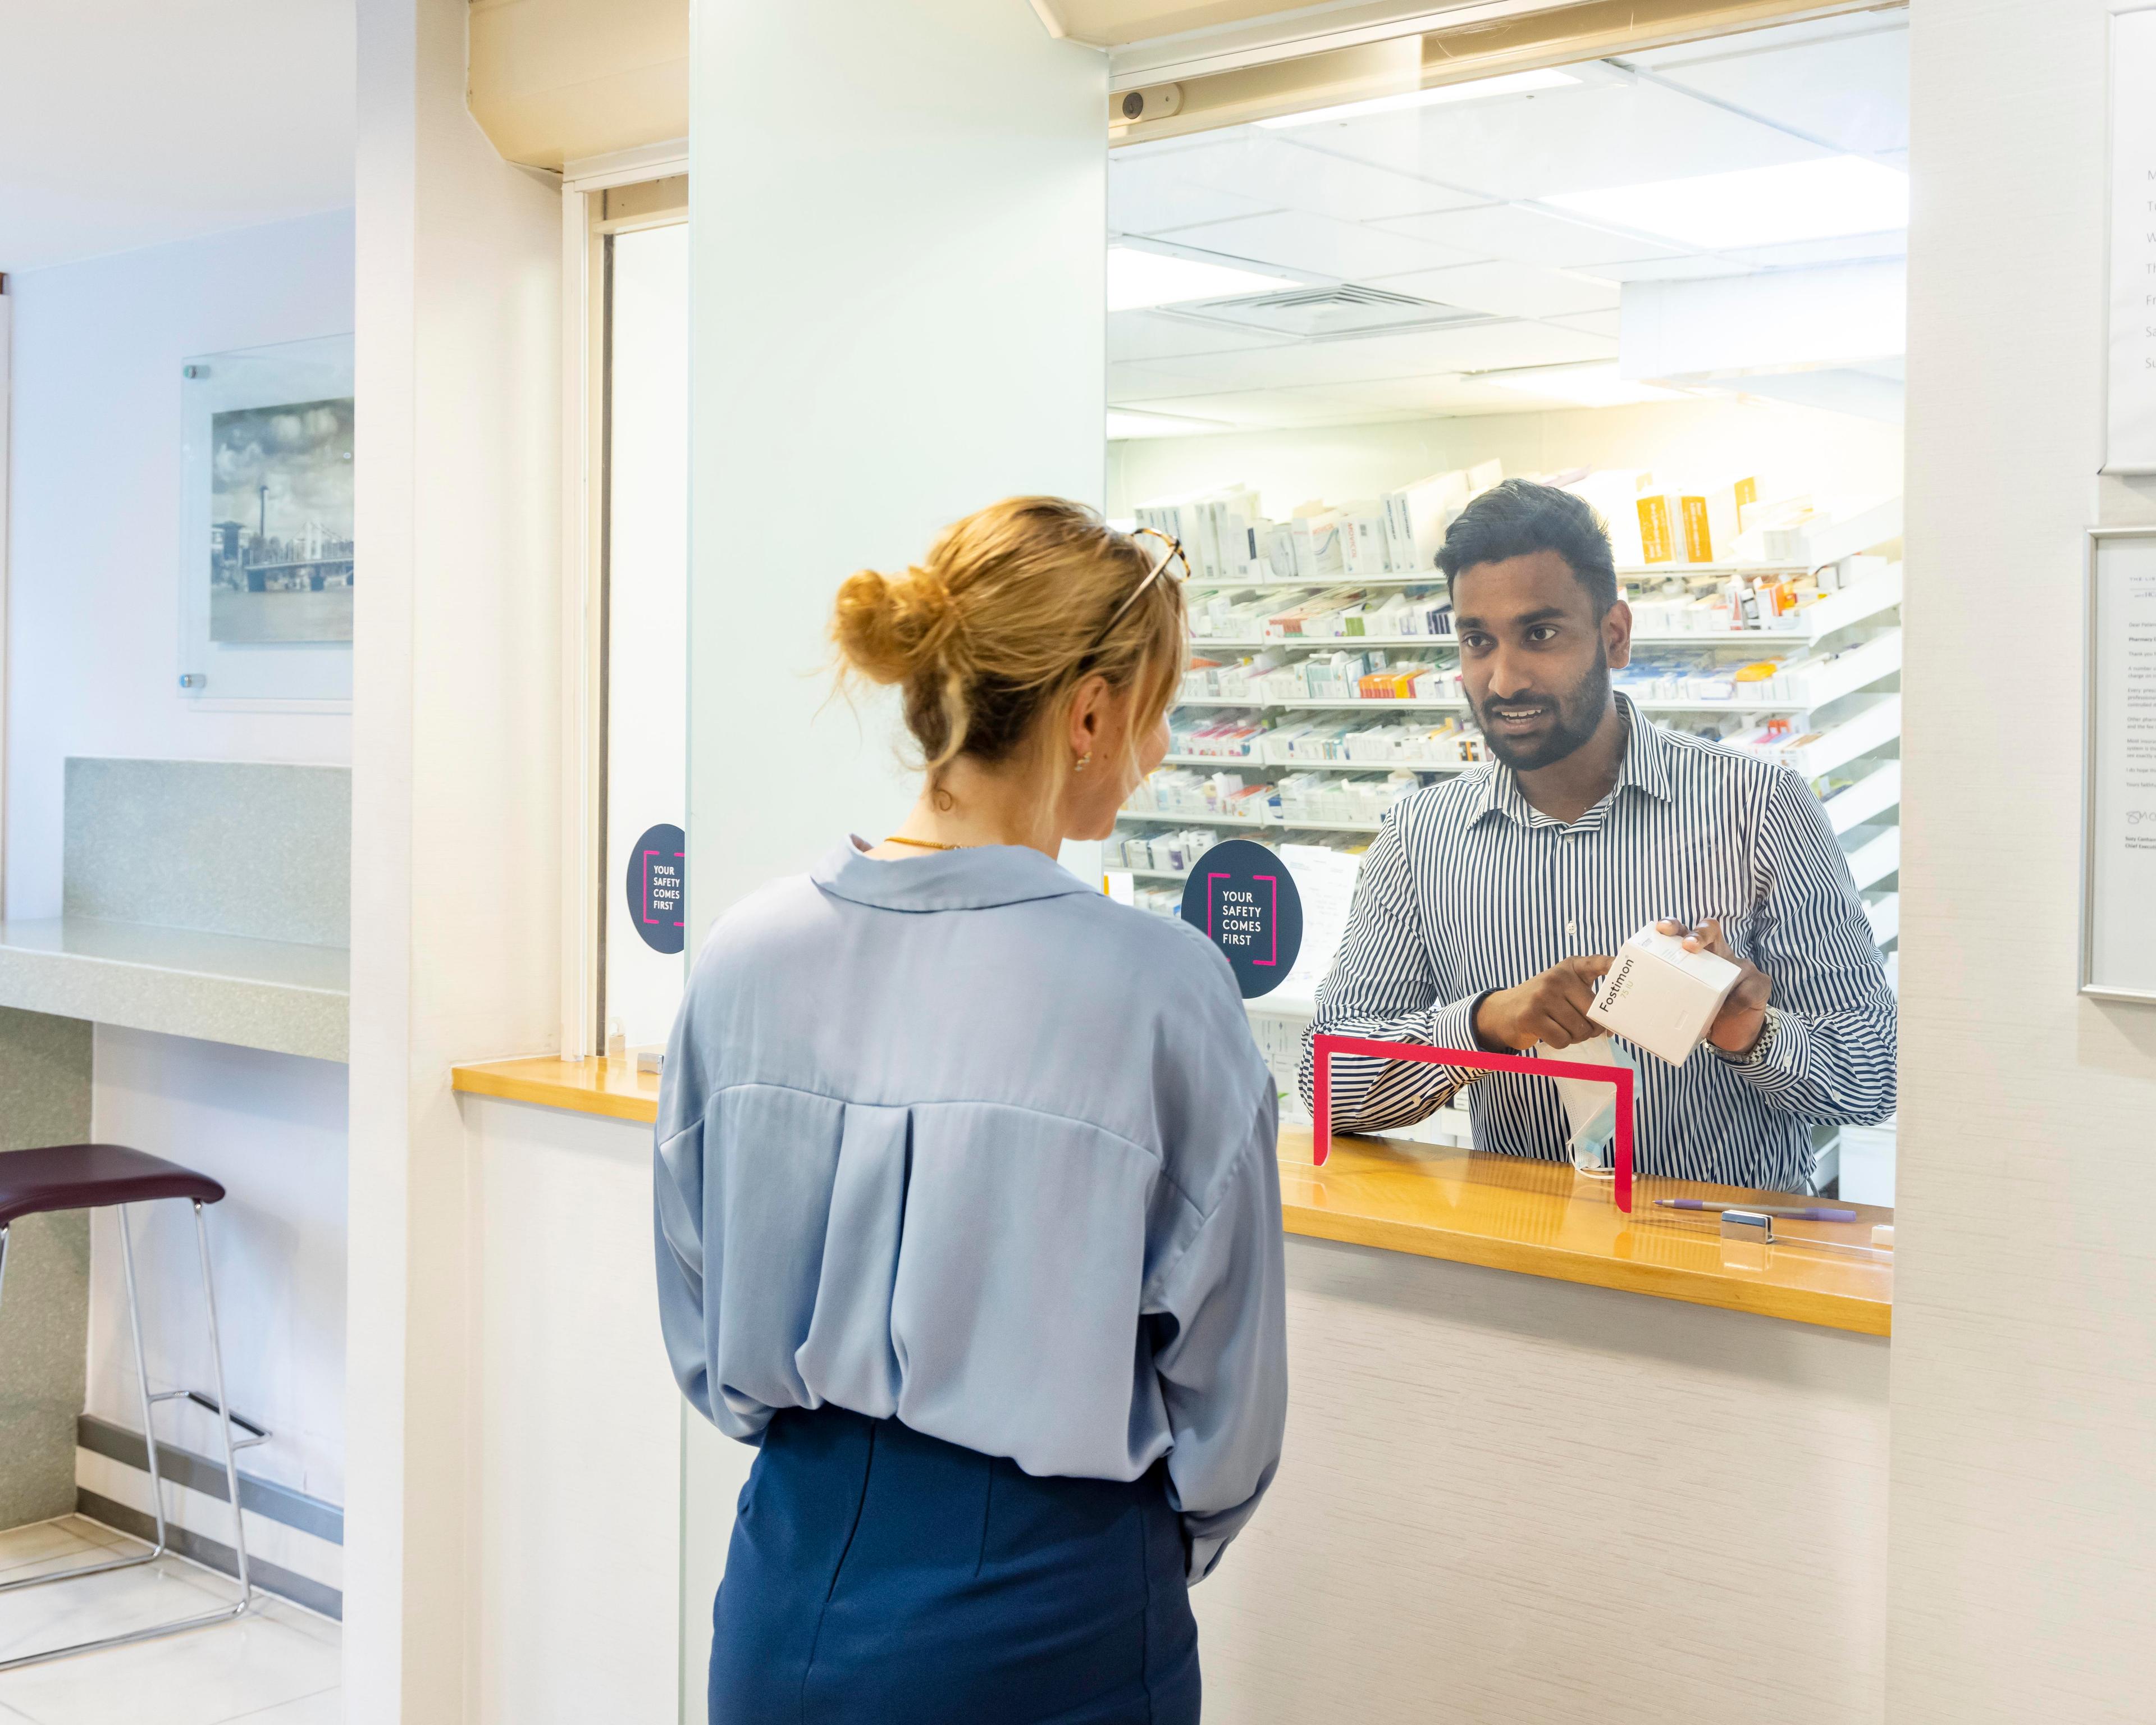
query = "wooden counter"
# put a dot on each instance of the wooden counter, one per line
(613, 1088)
(1535, 1218)
(1541, 1219)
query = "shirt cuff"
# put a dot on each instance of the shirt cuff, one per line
(1775, 1067)
(1453, 1026)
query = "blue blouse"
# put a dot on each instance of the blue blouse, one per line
(958, 1139)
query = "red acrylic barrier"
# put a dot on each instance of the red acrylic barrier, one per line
(1325, 1047)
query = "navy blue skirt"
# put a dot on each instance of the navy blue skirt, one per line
(877, 1576)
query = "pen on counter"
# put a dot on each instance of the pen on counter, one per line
(1800, 1213)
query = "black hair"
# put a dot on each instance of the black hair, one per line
(1518, 518)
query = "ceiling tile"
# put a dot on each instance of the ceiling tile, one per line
(1595, 323)
(1692, 267)
(1295, 239)
(1420, 353)
(1852, 92)
(1848, 248)
(1518, 235)
(1582, 139)
(1254, 409)
(1130, 381)
(1158, 334)
(1278, 172)
(1148, 196)
(1509, 289)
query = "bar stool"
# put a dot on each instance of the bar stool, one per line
(80, 1176)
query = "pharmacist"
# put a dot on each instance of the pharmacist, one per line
(1488, 907)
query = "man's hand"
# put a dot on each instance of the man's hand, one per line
(1743, 1015)
(1550, 1007)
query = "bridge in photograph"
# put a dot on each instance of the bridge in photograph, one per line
(313, 574)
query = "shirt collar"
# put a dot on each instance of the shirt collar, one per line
(1645, 767)
(969, 879)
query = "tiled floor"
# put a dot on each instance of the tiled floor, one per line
(279, 1666)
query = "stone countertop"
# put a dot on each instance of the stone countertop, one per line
(279, 995)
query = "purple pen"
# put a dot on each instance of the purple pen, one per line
(1800, 1214)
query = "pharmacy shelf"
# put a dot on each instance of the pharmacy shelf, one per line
(1185, 817)
(1252, 704)
(1885, 914)
(1877, 855)
(1824, 616)
(1727, 637)
(1869, 797)
(1874, 721)
(1151, 874)
(1435, 577)
(1319, 766)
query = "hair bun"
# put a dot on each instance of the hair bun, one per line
(888, 628)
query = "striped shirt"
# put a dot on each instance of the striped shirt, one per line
(1468, 888)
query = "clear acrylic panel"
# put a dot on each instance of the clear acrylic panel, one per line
(266, 566)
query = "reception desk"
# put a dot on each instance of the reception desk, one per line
(1544, 1461)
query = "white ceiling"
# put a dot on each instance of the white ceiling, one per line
(1444, 204)
(127, 123)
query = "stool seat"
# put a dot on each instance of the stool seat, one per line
(83, 1176)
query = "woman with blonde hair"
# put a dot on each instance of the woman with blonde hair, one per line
(967, 1210)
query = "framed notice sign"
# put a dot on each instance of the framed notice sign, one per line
(2118, 886)
(2130, 395)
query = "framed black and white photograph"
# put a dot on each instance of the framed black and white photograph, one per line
(269, 567)
(280, 564)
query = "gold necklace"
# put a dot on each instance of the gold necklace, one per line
(919, 843)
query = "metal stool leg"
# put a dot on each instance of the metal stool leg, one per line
(223, 1412)
(142, 1385)
(223, 1613)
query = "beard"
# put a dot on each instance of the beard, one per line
(1567, 718)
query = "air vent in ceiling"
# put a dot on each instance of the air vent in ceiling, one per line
(1317, 312)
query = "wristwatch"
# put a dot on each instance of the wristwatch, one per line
(1756, 1056)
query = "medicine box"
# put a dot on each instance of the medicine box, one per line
(1662, 997)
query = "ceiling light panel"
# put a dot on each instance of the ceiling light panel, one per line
(1295, 239)
(1751, 206)
(1576, 140)
(1138, 278)
(1527, 236)
(1479, 89)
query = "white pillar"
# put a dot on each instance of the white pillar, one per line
(455, 783)
(2024, 1395)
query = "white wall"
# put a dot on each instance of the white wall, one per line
(271, 1128)
(456, 781)
(94, 561)
(2024, 1397)
(915, 330)
(94, 553)
(1789, 449)
(578, 1550)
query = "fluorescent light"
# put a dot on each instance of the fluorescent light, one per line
(1506, 84)
(1821, 199)
(1591, 385)
(1138, 279)
(1131, 422)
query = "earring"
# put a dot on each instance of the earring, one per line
(1084, 762)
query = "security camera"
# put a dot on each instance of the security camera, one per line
(1155, 102)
